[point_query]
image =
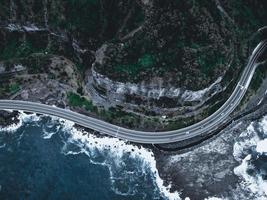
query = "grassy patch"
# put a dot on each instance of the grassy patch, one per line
(118, 116)
(143, 63)
(78, 101)
(112, 115)
(13, 88)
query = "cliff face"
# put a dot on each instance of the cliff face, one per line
(185, 43)
(148, 56)
(175, 61)
(149, 97)
(170, 65)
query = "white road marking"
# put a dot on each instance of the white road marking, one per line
(118, 131)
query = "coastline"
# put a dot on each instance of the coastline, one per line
(159, 164)
(113, 145)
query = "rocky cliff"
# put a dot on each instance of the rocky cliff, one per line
(151, 57)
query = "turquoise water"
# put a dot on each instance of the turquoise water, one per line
(42, 159)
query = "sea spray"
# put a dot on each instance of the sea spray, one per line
(249, 149)
(109, 152)
(23, 118)
(116, 149)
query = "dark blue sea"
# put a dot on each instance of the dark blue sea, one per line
(46, 158)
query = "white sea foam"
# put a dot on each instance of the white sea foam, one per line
(22, 119)
(215, 198)
(114, 151)
(48, 135)
(255, 184)
(250, 141)
(106, 151)
(262, 146)
(50, 128)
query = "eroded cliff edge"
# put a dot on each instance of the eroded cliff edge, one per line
(142, 64)
(146, 67)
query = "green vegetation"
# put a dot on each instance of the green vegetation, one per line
(83, 15)
(14, 88)
(259, 75)
(36, 63)
(145, 62)
(177, 124)
(243, 12)
(112, 115)
(208, 63)
(81, 68)
(4, 9)
(97, 18)
(78, 101)
(16, 49)
(7, 89)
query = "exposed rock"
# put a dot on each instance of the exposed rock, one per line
(7, 118)
(148, 96)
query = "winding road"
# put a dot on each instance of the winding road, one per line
(205, 126)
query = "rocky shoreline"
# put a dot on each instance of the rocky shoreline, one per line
(207, 169)
(143, 64)
(8, 118)
(211, 161)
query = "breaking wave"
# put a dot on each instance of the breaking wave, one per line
(127, 163)
(251, 151)
(23, 118)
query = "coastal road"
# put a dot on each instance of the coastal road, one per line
(203, 127)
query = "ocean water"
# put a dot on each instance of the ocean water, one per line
(47, 158)
(250, 151)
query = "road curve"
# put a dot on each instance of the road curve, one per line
(205, 126)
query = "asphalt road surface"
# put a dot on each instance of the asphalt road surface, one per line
(203, 127)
